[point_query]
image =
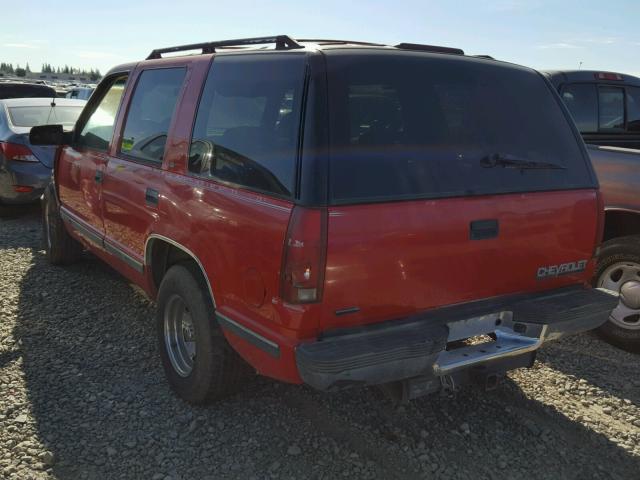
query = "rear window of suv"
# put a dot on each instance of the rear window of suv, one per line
(410, 125)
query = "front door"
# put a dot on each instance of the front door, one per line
(80, 170)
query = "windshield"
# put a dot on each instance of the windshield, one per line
(416, 126)
(44, 115)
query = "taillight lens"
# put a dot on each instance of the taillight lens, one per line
(17, 153)
(600, 224)
(302, 274)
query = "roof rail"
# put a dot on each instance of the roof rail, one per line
(486, 57)
(282, 42)
(429, 48)
(328, 40)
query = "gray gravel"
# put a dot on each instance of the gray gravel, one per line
(82, 395)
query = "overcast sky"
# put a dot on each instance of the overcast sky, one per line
(539, 33)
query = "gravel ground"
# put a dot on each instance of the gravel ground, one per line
(82, 395)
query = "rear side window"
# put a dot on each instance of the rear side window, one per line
(611, 108)
(246, 129)
(582, 101)
(633, 109)
(412, 125)
(150, 113)
(98, 129)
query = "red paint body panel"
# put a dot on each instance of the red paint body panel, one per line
(77, 188)
(394, 259)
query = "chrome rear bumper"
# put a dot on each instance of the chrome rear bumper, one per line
(424, 345)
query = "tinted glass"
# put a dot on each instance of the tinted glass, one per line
(246, 130)
(611, 108)
(414, 125)
(150, 113)
(24, 90)
(45, 115)
(582, 102)
(98, 130)
(633, 109)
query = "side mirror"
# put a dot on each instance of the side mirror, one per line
(47, 135)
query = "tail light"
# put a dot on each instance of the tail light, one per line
(303, 263)
(17, 153)
(600, 223)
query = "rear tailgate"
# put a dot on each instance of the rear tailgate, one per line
(393, 259)
(451, 179)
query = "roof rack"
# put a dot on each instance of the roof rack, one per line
(282, 42)
(429, 48)
(486, 57)
(352, 42)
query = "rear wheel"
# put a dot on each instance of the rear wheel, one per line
(618, 263)
(199, 363)
(61, 248)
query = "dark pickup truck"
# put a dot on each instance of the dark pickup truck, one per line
(606, 109)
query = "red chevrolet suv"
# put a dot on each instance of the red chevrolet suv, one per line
(334, 213)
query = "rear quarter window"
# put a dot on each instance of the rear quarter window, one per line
(247, 125)
(408, 126)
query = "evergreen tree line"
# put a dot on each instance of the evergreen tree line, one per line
(94, 74)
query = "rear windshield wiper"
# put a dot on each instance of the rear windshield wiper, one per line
(509, 161)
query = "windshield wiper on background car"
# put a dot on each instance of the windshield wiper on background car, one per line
(509, 161)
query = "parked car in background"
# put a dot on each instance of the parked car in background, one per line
(604, 105)
(606, 109)
(433, 212)
(82, 93)
(25, 90)
(25, 169)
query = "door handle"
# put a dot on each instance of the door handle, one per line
(151, 197)
(483, 229)
(98, 176)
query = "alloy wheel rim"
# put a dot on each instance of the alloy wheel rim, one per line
(613, 278)
(179, 336)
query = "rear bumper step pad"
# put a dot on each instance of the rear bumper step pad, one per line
(415, 346)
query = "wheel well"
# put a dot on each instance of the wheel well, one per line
(620, 223)
(162, 255)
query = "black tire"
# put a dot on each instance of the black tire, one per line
(60, 247)
(217, 370)
(612, 252)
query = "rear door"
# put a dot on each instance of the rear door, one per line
(80, 169)
(451, 180)
(133, 181)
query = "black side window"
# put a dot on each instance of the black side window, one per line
(98, 129)
(611, 108)
(247, 126)
(150, 113)
(582, 102)
(633, 109)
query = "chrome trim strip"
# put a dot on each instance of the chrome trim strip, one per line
(125, 257)
(81, 227)
(249, 335)
(147, 258)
